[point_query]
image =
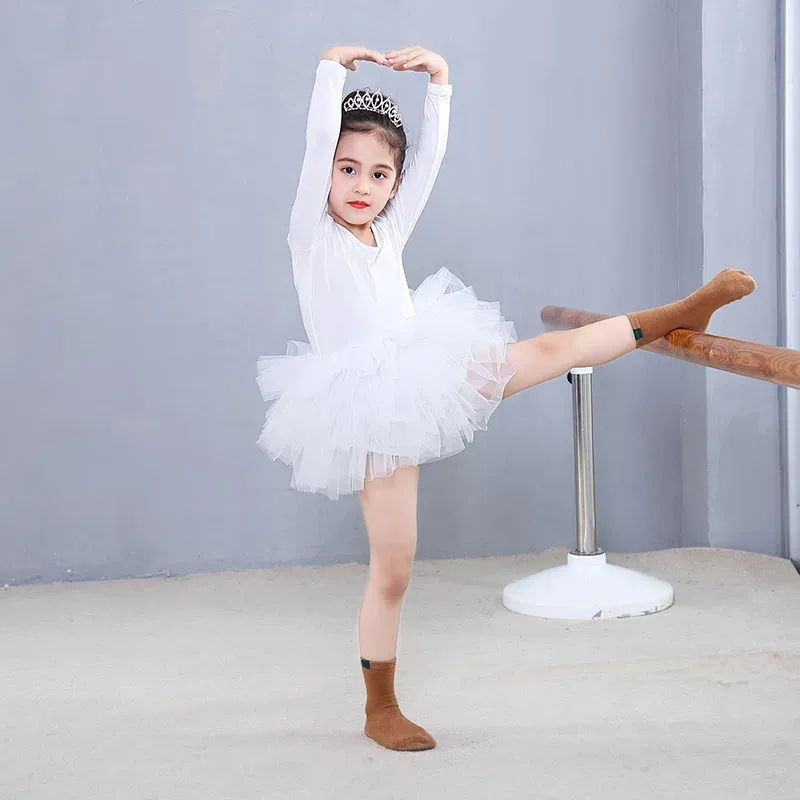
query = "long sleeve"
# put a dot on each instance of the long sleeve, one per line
(322, 135)
(420, 174)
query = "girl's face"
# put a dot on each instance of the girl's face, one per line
(364, 178)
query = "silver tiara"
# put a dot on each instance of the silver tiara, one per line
(367, 100)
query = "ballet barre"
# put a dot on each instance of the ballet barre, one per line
(587, 586)
(779, 365)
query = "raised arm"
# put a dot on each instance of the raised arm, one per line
(322, 136)
(420, 173)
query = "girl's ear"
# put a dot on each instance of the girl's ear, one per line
(396, 187)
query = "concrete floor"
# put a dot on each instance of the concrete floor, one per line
(247, 685)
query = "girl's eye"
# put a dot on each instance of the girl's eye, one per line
(379, 175)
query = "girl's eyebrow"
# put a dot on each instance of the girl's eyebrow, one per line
(358, 164)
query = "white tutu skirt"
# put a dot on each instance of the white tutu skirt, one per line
(411, 394)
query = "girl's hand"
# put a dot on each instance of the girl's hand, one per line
(347, 55)
(418, 59)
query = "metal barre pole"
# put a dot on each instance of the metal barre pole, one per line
(581, 380)
(587, 586)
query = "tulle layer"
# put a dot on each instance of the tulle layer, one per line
(409, 395)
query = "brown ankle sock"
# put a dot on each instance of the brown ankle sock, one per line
(385, 724)
(693, 313)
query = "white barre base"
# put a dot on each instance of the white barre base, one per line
(588, 587)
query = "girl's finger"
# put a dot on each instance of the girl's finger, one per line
(401, 62)
(365, 54)
(405, 53)
(415, 62)
(411, 52)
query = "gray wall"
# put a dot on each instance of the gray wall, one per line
(740, 193)
(693, 400)
(151, 155)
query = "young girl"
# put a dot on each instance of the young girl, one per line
(391, 379)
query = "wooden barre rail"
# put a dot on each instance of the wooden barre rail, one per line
(764, 362)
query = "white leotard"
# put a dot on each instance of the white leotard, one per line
(347, 289)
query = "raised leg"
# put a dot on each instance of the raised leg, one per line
(549, 355)
(552, 354)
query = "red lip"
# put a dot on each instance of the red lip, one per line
(358, 204)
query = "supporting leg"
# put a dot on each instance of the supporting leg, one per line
(390, 514)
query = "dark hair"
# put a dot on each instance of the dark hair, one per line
(361, 121)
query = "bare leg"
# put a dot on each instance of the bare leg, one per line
(390, 514)
(552, 354)
(549, 355)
